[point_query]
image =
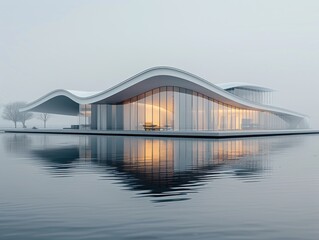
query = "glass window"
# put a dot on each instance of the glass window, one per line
(188, 109)
(170, 108)
(133, 119)
(176, 108)
(141, 111)
(239, 119)
(148, 109)
(113, 117)
(221, 115)
(119, 116)
(182, 109)
(98, 112)
(162, 109)
(156, 104)
(227, 117)
(104, 116)
(216, 116)
(109, 117)
(127, 115)
(200, 112)
(195, 111)
(205, 113)
(210, 114)
(225, 110)
(232, 118)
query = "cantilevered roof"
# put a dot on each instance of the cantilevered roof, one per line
(67, 101)
(249, 86)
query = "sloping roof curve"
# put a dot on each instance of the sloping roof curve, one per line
(61, 101)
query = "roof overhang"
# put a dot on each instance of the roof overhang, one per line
(59, 104)
(241, 85)
(67, 102)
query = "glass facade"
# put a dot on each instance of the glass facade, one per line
(85, 116)
(179, 109)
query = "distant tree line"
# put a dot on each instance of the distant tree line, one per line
(12, 113)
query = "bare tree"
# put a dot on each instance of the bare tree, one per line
(11, 112)
(24, 116)
(44, 117)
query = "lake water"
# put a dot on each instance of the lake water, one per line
(99, 187)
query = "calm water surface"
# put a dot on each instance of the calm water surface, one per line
(98, 187)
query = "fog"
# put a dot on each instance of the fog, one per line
(93, 45)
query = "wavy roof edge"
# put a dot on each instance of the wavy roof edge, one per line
(84, 97)
(249, 86)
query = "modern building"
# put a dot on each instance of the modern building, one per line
(169, 99)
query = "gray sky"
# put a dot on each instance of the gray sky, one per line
(92, 45)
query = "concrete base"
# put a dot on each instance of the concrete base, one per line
(190, 134)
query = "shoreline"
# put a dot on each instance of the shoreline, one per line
(182, 134)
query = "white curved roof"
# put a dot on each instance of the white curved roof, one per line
(249, 86)
(66, 102)
(83, 94)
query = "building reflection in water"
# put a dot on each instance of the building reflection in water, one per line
(167, 169)
(168, 165)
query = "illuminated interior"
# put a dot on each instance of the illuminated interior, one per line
(179, 109)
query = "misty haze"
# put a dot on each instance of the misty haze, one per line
(91, 46)
(157, 119)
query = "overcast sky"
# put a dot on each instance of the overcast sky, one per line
(92, 45)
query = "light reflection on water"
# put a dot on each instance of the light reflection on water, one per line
(155, 167)
(98, 177)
